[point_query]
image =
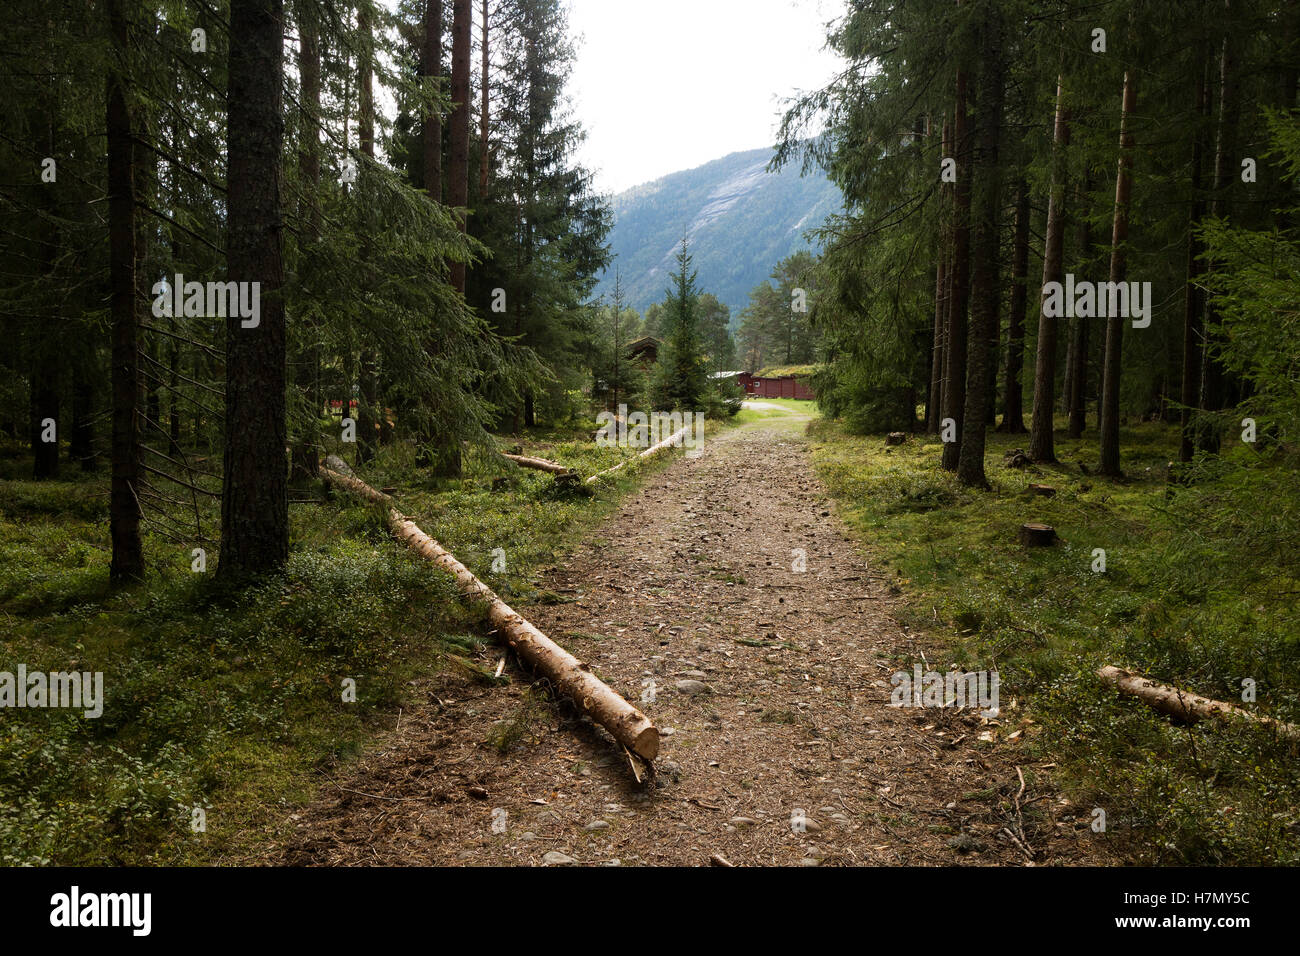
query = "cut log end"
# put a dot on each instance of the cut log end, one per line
(646, 743)
(1037, 535)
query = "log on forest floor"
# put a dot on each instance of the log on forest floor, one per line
(675, 438)
(573, 677)
(1182, 705)
(562, 473)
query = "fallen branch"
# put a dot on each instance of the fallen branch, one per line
(573, 677)
(674, 439)
(1183, 705)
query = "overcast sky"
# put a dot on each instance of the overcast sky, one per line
(663, 85)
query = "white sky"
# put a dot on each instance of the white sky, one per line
(664, 85)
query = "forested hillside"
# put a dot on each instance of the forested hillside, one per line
(741, 220)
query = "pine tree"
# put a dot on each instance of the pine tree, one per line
(681, 377)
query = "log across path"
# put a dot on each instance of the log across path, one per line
(573, 677)
(770, 687)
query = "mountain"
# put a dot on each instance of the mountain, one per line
(740, 219)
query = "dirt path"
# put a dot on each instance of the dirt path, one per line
(771, 689)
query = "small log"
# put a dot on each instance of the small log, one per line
(540, 464)
(673, 439)
(573, 677)
(1037, 535)
(1184, 706)
(895, 438)
(1045, 491)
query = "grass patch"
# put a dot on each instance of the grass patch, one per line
(233, 700)
(1199, 591)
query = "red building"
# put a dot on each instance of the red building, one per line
(781, 386)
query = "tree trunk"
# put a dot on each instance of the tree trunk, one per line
(567, 674)
(1077, 381)
(82, 448)
(484, 83)
(368, 412)
(939, 365)
(1194, 300)
(935, 401)
(431, 65)
(1225, 158)
(458, 168)
(1013, 416)
(1110, 463)
(127, 562)
(45, 408)
(254, 501)
(954, 400)
(1042, 441)
(985, 295)
(305, 455)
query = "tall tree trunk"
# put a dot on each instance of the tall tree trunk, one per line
(254, 501)
(934, 404)
(484, 84)
(44, 409)
(368, 413)
(936, 351)
(127, 561)
(305, 455)
(82, 448)
(1194, 300)
(431, 132)
(948, 260)
(954, 399)
(458, 167)
(1225, 158)
(985, 294)
(1077, 381)
(1013, 414)
(1042, 441)
(1110, 463)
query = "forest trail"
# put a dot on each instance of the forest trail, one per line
(770, 687)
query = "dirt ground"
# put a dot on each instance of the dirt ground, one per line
(770, 685)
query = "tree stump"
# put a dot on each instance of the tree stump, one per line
(895, 438)
(1037, 535)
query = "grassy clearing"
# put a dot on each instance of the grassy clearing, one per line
(1196, 592)
(784, 407)
(233, 701)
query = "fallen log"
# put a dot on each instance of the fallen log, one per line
(540, 464)
(675, 438)
(1182, 705)
(573, 677)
